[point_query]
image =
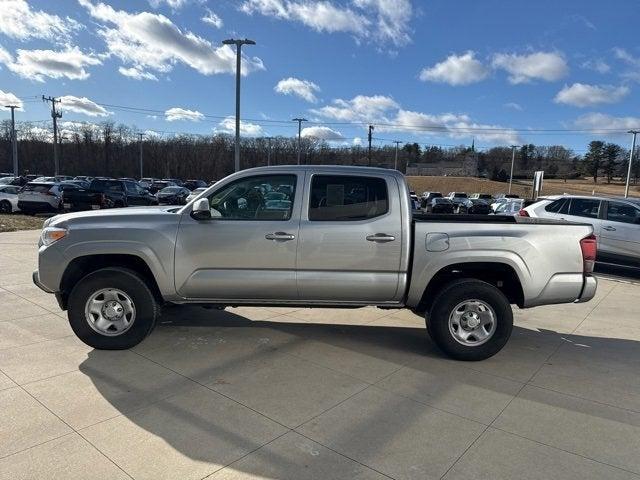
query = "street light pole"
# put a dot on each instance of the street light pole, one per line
(513, 158)
(395, 165)
(633, 147)
(238, 43)
(299, 120)
(140, 135)
(14, 141)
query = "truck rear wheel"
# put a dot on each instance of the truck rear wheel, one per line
(112, 309)
(470, 320)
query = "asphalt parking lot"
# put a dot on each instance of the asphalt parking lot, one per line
(276, 393)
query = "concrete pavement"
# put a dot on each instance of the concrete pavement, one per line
(283, 393)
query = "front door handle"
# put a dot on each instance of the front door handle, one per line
(279, 236)
(609, 228)
(380, 238)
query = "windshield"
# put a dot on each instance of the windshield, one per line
(171, 190)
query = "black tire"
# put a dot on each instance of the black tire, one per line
(449, 298)
(5, 206)
(146, 308)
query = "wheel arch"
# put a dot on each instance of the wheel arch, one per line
(81, 266)
(501, 275)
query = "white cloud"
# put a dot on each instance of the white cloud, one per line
(177, 113)
(452, 125)
(321, 133)
(212, 19)
(38, 64)
(357, 141)
(83, 105)
(387, 115)
(8, 98)
(513, 106)
(548, 66)
(361, 108)
(136, 73)
(600, 123)
(632, 62)
(584, 95)
(174, 4)
(456, 70)
(376, 20)
(18, 20)
(597, 65)
(150, 41)
(228, 125)
(301, 88)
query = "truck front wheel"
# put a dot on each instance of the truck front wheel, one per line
(112, 309)
(470, 320)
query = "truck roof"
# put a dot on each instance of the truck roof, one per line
(343, 169)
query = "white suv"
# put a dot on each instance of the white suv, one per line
(616, 223)
(38, 197)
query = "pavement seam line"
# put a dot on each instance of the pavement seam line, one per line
(72, 429)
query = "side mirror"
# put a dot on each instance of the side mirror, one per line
(200, 210)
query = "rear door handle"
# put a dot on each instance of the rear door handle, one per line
(279, 236)
(609, 228)
(380, 238)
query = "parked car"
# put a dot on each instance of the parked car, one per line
(511, 207)
(8, 180)
(487, 197)
(83, 178)
(175, 181)
(158, 185)
(194, 193)
(107, 194)
(45, 180)
(507, 195)
(40, 197)
(615, 221)
(427, 197)
(62, 178)
(173, 195)
(9, 198)
(474, 206)
(497, 202)
(146, 182)
(193, 184)
(440, 205)
(415, 201)
(453, 195)
(355, 243)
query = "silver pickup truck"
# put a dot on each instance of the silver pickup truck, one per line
(311, 236)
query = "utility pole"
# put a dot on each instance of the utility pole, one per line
(140, 135)
(633, 148)
(269, 151)
(238, 44)
(371, 127)
(395, 165)
(55, 116)
(299, 120)
(513, 158)
(14, 140)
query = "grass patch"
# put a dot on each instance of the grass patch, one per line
(13, 222)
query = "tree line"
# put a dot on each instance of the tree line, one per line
(110, 149)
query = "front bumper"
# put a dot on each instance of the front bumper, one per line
(35, 276)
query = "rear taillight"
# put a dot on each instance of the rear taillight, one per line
(523, 213)
(589, 247)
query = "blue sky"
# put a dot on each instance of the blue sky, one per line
(435, 71)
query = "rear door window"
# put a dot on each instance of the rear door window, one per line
(344, 198)
(622, 212)
(559, 206)
(584, 207)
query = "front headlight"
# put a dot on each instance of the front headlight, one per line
(52, 234)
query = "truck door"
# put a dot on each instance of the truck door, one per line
(350, 238)
(247, 250)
